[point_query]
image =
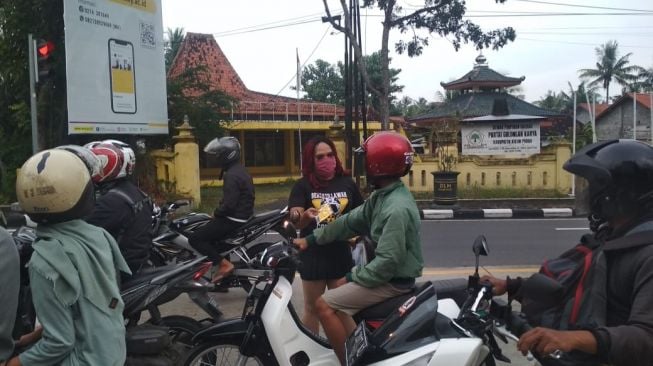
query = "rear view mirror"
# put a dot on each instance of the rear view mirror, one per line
(289, 229)
(480, 246)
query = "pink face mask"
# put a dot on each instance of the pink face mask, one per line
(325, 168)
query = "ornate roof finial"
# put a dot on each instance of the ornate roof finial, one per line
(481, 60)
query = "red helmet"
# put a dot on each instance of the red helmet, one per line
(387, 154)
(111, 162)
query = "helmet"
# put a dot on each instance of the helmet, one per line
(55, 186)
(111, 162)
(129, 157)
(387, 154)
(620, 177)
(226, 150)
(90, 160)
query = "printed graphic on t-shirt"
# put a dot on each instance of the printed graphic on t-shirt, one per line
(329, 206)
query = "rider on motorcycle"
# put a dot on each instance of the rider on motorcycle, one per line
(236, 207)
(391, 218)
(122, 208)
(620, 177)
(73, 270)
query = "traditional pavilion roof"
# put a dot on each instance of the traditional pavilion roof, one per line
(482, 77)
(479, 104)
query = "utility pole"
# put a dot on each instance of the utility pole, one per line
(573, 146)
(33, 75)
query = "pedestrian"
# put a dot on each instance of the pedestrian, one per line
(324, 188)
(391, 219)
(73, 270)
(620, 178)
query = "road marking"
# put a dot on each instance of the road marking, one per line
(572, 228)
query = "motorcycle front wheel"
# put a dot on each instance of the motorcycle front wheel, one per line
(223, 352)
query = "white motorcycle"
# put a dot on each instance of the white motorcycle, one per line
(423, 330)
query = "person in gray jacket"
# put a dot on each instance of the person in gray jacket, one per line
(620, 177)
(9, 288)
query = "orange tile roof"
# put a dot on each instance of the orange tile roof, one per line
(202, 50)
(600, 107)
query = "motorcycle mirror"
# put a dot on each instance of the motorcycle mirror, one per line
(480, 246)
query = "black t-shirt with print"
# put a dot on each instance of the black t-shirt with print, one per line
(332, 260)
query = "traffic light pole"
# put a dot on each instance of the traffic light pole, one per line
(33, 74)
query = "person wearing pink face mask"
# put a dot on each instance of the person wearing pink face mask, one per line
(324, 193)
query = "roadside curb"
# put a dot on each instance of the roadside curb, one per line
(494, 213)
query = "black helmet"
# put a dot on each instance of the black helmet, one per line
(620, 177)
(225, 150)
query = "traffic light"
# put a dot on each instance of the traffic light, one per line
(44, 50)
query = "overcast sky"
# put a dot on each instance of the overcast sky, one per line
(549, 50)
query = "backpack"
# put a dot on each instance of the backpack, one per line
(581, 275)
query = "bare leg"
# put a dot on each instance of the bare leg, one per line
(333, 327)
(312, 291)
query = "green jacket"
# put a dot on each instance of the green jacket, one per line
(73, 278)
(389, 217)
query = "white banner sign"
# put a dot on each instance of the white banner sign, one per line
(500, 138)
(115, 67)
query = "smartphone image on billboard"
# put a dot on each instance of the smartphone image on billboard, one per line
(123, 77)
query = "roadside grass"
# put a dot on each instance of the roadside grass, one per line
(270, 196)
(497, 193)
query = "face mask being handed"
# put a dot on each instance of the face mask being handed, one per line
(325, 168)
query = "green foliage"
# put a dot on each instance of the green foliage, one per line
(409, 107)
(17, 19)
(190, 94)
(609, 67)
(174, 37)
(444, 18)
(324, 82)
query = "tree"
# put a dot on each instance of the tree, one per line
(322, 82)
(444, 18)
(174, 37)
(553, 101)
(409, 107)
(610, 67)
(16, 21)
(190, 94)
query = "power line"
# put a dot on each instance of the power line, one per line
(583, 6)
(307, 59)
(578, 43)
(646, 34)
(276, 22)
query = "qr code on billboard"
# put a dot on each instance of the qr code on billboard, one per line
(147, 35)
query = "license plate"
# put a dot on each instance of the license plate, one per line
(356, 345)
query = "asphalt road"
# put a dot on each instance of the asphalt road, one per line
(512, 242)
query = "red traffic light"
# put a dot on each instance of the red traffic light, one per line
(45, 48)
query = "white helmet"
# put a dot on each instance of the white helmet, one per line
(55, 186)
(129, 157)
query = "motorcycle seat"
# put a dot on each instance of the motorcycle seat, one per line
(263, 216)
(455, 289)
(146, 275)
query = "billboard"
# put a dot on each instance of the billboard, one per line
(500, 138)
(115, 71)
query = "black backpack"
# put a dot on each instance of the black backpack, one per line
(576, 296)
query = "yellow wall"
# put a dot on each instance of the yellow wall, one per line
(542, 171)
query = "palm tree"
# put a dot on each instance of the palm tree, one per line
(173, 42)
(610, 67)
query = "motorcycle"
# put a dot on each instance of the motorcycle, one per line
(170, 243)
(160, 340)
(426, 329)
